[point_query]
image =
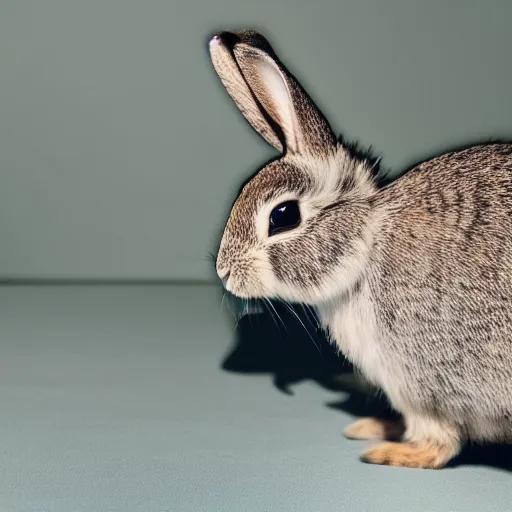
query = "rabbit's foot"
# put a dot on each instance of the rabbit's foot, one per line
(422, 454)
(375, 428)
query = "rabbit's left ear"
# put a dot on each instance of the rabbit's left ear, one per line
(270, 98)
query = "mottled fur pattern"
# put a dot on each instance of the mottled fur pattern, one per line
(412, 280)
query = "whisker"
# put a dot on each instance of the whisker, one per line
(249, 312)
(313, 318)
(276, 312)
(222, 300)
(267, 304)
(302, 323)
(246, 310)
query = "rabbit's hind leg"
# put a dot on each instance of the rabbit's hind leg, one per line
(428, 444)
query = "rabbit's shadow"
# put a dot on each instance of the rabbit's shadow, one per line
(289, 347)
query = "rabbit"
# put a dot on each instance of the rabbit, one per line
(411, 279)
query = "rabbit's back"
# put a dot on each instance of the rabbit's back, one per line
(442, 285)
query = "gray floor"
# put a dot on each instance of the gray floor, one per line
(113, 399)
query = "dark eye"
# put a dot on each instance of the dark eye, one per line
(284, 217)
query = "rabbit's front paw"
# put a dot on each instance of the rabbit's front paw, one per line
(375, 428)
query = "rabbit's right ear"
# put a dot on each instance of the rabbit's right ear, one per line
(268, 96)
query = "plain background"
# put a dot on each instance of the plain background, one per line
(120, 152)
(120, 155)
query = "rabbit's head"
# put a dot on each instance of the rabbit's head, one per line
(301, 228)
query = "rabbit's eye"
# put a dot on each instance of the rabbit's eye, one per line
(284, 217)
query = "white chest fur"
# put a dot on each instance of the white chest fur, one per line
(351, 323)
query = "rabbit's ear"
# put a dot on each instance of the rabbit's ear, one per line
(267, 94)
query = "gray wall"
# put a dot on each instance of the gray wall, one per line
(120, 152)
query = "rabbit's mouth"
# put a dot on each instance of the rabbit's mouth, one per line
(244, 287)
(240, 308)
